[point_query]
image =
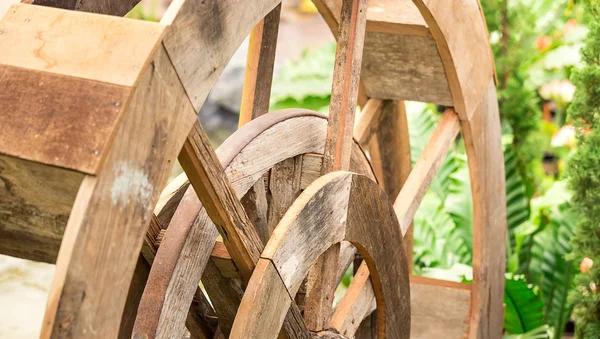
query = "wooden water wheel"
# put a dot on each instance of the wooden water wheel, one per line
(96, 109)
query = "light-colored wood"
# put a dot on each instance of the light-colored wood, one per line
(200, 52)
(421, 176)
(368, 122)
(263, 306)
(482, 136)
(412, 67)
(259, 67)
(296, 243)
(321, 284)
(439, 310)
(357, 304)
(77, 44)
(110, 7)
(256, 205)
(41, 117)
(35, 203)
(461, 36)
(98, 255)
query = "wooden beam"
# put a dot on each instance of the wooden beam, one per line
(368, 122)
(259, 67)
(422, 175)
(338, 148)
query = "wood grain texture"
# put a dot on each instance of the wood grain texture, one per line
(420, 177)
(393, 155)
(35, 203)
(321, 285)
(284, 187)
(42, 121)
(256, 205)
(163, 309)
(439, 310)
(368, 122)
(356, 305)
(259, 67)
(320, 199)
(77, 44)
(412, 67)
(486, 168)
(110, 7)
(461, 37)
(90, 265)
(203, 36)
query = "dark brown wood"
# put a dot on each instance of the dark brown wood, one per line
(42, 118)
(35, 203)
(110, 7)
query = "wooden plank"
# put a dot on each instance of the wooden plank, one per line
(368, 122)
(256, 205)
(191, 45)
(90, 265)
(77, 44)
(420, 177)
(439, 310)
(35, 203)
(110, 7)
(482, 136)
(261, 305)
(42, 121)
(321, 285)
(461, 37)
(356, 305)
(259, 67)
(412, 67)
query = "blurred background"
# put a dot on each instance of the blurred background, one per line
(536, 44)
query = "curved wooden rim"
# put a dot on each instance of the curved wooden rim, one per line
(180, 257)
(338, 206)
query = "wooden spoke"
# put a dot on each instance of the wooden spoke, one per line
(368, 122)
(420, 177)
(315, 222)
(357, 304)
(111, 7)
(338, 146)
(259, 67)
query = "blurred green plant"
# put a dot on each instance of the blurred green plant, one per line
(584, 180)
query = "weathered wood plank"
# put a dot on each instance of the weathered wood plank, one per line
(482, 136)
(284, 187)
(368, 122)
(112, 49)
(110, 7)
(90, 265)
(461, 37)
(41, 118)
(199, 29)
(35, 203)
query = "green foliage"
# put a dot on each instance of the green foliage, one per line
(305, 82)
(584, 180)
(542, 332)
(524, 307)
